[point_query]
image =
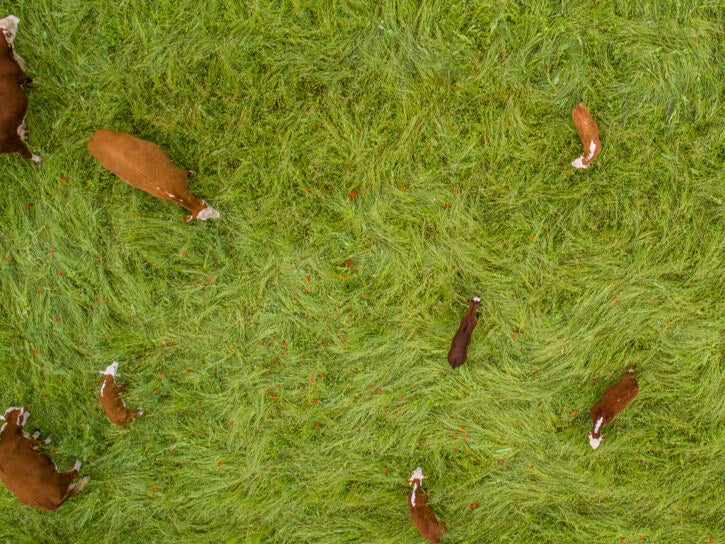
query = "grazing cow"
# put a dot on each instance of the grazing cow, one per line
(13, 102)
(424, 518)
(459, 347)
(614, 400)
(144, 165)
(29, 474)
(110, 397)
(589, 135)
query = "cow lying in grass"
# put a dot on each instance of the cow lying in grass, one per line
(614, 400)
(144, 165)
(110, 397)
(29, 474)
(13, 102)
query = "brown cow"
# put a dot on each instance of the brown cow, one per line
(588, 134)
(424, 518)
(144, 165)
(110, 397)
(29, 474)
(13, 102)
(459, 347)
(614, 400)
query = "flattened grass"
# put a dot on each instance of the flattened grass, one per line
(375, 166)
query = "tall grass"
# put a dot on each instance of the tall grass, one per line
(375, 165)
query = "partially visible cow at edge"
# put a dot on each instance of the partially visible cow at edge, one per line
(110, 397)
(613, 400)
(423, 516)
(30, 474)
(13, 101)
(458, 353)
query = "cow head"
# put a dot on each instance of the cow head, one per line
(9, 26)
(417, 475)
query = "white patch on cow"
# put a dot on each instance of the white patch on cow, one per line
(592, 149)
(476, 299)
(598, 424)
(594, 442)
(77, 465)
(412, 495)
(103, 387)
(80, 484)
(171, 195)
(22, 130)
(21, 417)
(11, 409)
(3, 429)
(36, 159)
(578, 163)
(25, 415)
(207, 213)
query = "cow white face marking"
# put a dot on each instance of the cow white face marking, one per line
(594, 442)
(9, 26)
(578, 163)
(207, 213)
(111, 369)
(417, 475)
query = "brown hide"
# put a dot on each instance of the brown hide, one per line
(29, 474)
(423, 516)
(115, 408)
(13, 102)
(458, 353)
(588, 133)
(144, 165)
(614, 400)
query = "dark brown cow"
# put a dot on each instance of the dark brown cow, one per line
(614, 400)
(144, 165)
(588, 134)
(29, 474)
(424, 518)
(110, 397)
(13, 102)
(459, 347)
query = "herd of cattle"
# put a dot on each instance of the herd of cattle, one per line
(29, 473)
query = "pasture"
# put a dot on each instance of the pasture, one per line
(375, 165)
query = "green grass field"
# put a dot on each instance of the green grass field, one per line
(375, 165)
